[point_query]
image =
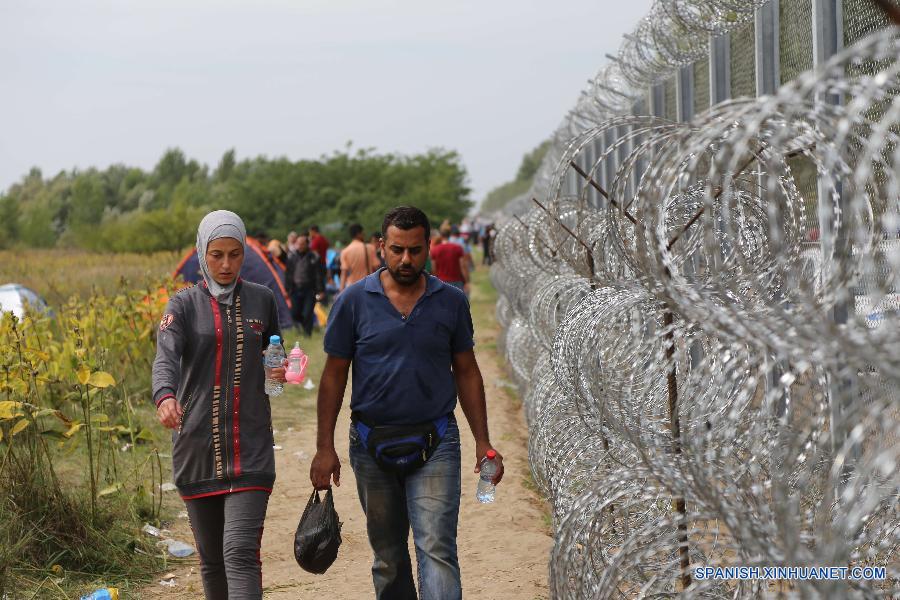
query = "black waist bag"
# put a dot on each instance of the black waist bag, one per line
(401, 448)
(318, 534)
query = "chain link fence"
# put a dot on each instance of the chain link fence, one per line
(743, 68)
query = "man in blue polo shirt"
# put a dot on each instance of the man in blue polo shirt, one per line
(409, 339)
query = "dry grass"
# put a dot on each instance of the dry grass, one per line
(59, 274)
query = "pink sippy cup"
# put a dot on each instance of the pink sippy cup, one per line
(296, 370)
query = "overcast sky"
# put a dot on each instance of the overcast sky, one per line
(91, 83)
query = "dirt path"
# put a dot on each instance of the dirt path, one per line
(503, 547)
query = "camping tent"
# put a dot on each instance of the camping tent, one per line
(258, 267)
(14, 298)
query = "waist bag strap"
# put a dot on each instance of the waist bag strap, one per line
(401, 448)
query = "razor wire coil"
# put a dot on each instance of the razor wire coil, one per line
(709, 356)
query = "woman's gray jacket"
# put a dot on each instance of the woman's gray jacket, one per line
(209, 357)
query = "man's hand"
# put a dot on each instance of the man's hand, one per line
(481, 449)
(169, 413)
(325, 464)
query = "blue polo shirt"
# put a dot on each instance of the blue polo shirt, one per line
(401, 366)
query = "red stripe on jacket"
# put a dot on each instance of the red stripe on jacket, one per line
(217, 317)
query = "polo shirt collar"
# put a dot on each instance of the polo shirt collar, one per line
(373, 283)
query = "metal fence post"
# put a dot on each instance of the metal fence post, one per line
(719, 69)
(639, 108)
(827, 30)
(609, 165)
(768, 78)
(589, 153)
(767, 60)
(684, 86)
(658, 100)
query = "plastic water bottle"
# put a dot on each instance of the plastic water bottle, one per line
(297, 360)
(274, 359)
(104, 594)
(489, 467)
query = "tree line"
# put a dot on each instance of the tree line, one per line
(498, 197)
(126, 209)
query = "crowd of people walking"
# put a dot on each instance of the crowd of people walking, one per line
(317, 271)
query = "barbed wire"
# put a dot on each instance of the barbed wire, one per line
(709, 361)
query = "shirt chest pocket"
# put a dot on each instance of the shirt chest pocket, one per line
(434, 333)
(254, 332)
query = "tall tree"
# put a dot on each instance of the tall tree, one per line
(225, 167)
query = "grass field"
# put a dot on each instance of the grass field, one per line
(59, 274)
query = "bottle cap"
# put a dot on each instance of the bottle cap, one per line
(491, 454)
(275, 339)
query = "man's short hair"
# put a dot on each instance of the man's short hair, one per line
(446, 231)
(406, 218)
(355, 230)
(314, 228)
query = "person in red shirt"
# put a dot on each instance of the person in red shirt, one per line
(449, 262)
(318, 243)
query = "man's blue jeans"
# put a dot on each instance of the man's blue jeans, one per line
(426, 499)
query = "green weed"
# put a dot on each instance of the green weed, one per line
(79, 466)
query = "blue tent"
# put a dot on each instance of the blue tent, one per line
(258, 267)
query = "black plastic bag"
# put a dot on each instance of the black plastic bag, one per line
(318, 534)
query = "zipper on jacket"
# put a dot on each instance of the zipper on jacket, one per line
(228, 398)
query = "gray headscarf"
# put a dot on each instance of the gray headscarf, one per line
(215, 225)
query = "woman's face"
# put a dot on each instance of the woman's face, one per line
(224, 258)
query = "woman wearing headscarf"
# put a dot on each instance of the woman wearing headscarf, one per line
(208, 385)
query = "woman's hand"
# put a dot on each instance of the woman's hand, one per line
(169, 413)
(278, 373)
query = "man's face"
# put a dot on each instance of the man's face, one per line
(405, 253)
(302, 244)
